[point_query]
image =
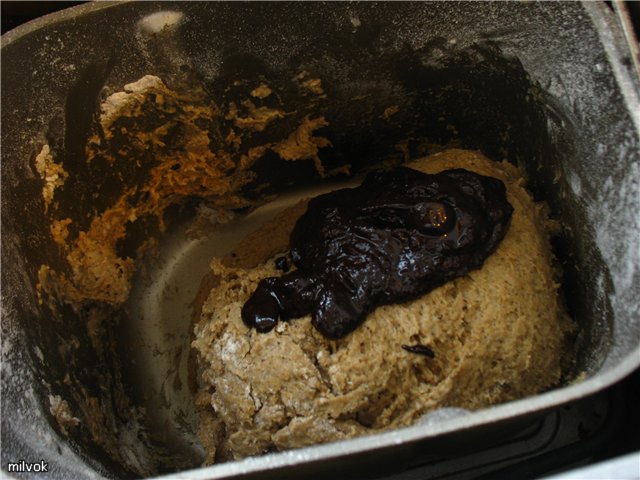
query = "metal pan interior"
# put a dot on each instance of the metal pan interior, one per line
(545, 85)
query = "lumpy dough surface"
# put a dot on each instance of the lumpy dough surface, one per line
(497, 334)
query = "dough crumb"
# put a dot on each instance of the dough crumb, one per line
(53, 174)
(60, 231)
(257, 118)
(314, 85)
(61, 411)
(302, 144)
(261, 91)
(390, 112)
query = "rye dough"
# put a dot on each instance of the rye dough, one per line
(498, 333)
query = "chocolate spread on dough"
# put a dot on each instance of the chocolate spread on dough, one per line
(399, 235)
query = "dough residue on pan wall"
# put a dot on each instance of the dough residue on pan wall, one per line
(197, 167)
(154, 144)
(302, 144)
(257, 118)
(313, 85)
(61, 411)
(261, 91)
(498, 334)
(53, 174)
(390, 112)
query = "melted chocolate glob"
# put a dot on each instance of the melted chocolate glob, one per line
(397, 236)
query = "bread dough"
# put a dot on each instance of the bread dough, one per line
(498, 334)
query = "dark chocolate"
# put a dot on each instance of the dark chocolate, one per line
(397, 236)
(420, 349)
